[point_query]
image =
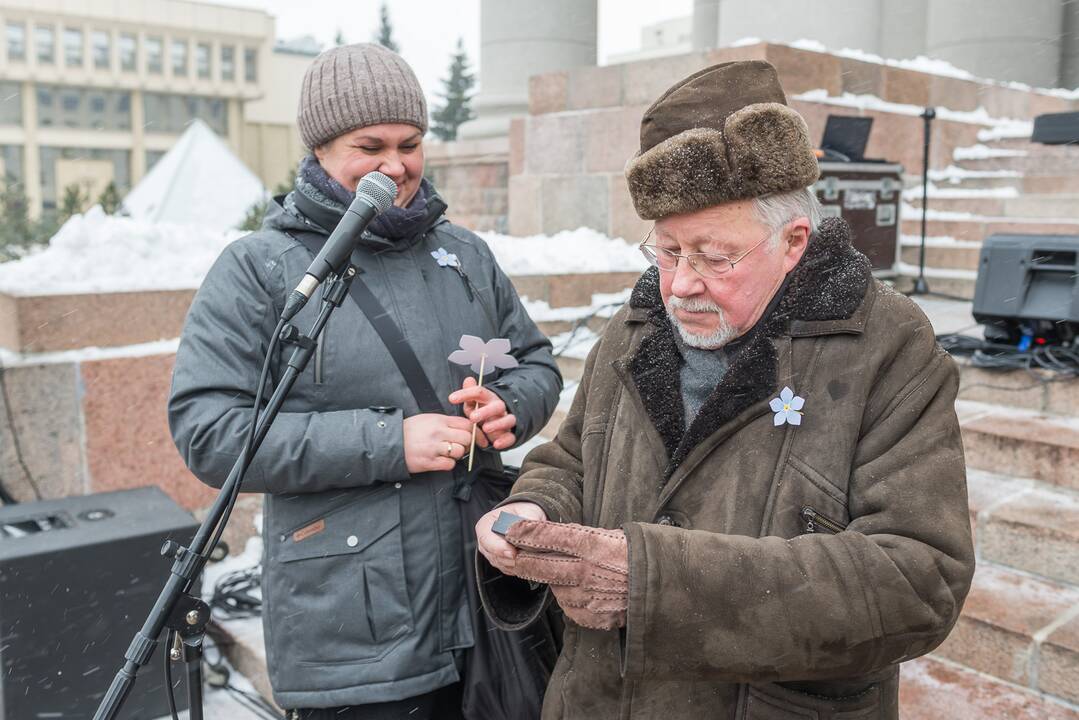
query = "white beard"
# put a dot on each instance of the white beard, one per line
(713, 340)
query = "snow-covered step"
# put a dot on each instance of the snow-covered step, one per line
(1061, 205)
(1028, 164)
(962, 226)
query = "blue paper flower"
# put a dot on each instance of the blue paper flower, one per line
(787, 408)
(445, 259)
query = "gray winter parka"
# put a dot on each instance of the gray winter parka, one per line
(362, 568)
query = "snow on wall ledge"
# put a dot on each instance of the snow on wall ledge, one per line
(99, 253)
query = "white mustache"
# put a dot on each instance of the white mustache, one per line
(693, 305)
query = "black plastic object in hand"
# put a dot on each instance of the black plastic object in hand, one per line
(504, 521)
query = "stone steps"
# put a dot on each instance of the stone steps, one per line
(951, 256)
(932, 688)
(1019, 442)
(1060, 205)
(976, 228)
(1031, 164)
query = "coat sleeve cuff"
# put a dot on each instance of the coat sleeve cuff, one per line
(631, 637)
(554, 510)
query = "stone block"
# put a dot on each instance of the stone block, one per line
(954, 93)
(1002, 101)
(624, 222)
(758, 51)
(1029, 445)
(1002, 615)
(126, 428)
(860, 77)
(931, 689)
(9, 322)
(572, 201)
(554, 144)
(41, 431)
(1038, 532)
(517, 146)
(907, 87)
(533, 287)
(643, 81)
(548, 93)
(804, 70)
(986, 489)
(1058, 672)
(612, 137)
(525, 205)
(576, 290)
(595, 87)
(50, 323)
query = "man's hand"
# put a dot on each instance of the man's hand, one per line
(435, 442)
(487, 410)
(493, 546)
(586, 567)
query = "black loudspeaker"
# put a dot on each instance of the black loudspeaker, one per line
(846, 136)
(1027, 292)
(1056, 129)
(78, 577)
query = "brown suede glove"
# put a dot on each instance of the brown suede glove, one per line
(586, 567)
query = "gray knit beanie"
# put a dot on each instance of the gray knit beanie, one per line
(353, 86)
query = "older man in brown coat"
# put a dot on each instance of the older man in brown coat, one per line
(756, 507)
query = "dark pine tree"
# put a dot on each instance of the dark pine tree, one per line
(456, 94)
(110, 199)
(384, 36)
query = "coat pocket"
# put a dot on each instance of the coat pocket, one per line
(817, 522)
(338, 584)
(774, 702)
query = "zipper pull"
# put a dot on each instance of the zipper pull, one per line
(815, 522)
(467, 282)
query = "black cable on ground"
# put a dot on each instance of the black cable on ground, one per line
(1061, 360)
(236, 595)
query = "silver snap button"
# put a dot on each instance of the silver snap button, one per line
(397, 485)
(381, 423)
(352, 541)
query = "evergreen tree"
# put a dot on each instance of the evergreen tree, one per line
(339, 38)
(110, 199)
(384, 36)
(18, 233)
(73, 202)
(457, 97)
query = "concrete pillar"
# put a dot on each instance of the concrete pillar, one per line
(998, 39)
(31, 151)
(1069, 45)
(835, 23)
(521, 38)
(705, 24)
(138, 137)
(902, 29)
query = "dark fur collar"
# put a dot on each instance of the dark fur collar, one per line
(829, 284)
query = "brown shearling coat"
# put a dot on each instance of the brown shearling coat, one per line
(744, 605)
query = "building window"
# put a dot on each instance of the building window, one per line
(101, 48)
(51, 193)
(16, 42)
(129, 47)
(173, 113)
(10, 103)
(12, 158)
(202, 60)
(179, 58)
(251, 73)
(228, 63)
(83, 108)
(154, 59)
(45, 42)
(72, 47)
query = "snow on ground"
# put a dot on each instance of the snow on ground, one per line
(872, 102)
(575, 344)
(160, 347)
(984, 152)
(96, 252)
(1005, 131)
(571, 251)
(909, 212)
(935, 191)
(956, 174)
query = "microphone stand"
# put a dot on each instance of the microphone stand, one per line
(921, 287)
(175, 608)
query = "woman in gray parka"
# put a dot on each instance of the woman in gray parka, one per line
(364, 605)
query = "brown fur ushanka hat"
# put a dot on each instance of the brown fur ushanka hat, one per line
(723, 133)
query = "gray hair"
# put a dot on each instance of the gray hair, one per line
(778, 209)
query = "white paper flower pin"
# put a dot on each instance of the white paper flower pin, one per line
(482, 356)
(787, 407)
(445, 259)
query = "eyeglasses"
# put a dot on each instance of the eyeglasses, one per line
(709, 265)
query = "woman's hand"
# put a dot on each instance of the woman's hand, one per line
(435, 442)
(493, 546)
(487, 410)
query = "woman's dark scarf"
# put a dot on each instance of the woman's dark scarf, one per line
(393, 223)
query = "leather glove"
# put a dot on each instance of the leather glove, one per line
(586, 567)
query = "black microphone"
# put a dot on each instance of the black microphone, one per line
(374, 194)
